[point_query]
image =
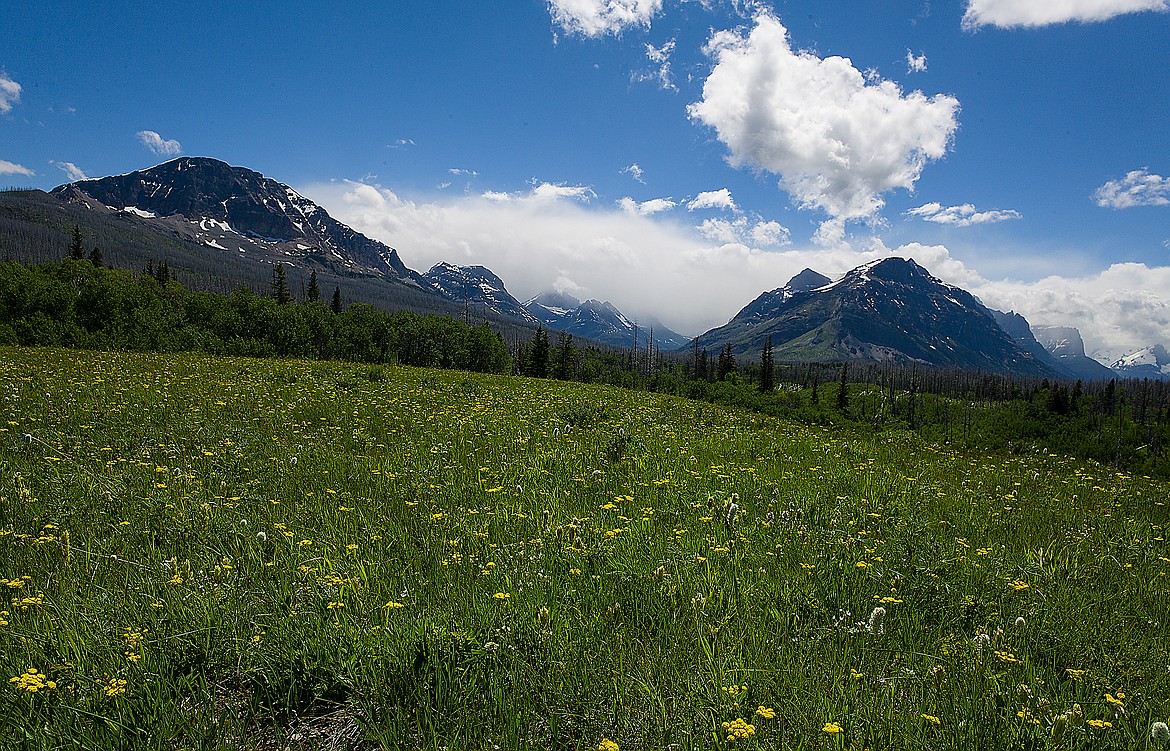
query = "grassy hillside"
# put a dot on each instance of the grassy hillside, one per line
(231, 553)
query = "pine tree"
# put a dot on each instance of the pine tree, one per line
(842, 390)
(564, 358)
(767, 368)
(314, 294)
(95, 256)
(726, 364)
(76, 249)
(280, 285)
(335, 306)
(538, 355)
(162, 273)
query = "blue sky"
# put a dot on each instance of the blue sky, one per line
(675, 156)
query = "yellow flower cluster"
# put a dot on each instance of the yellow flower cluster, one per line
(739, 728)
(607, 745)
(115, 687)
(31, 681)
(766, 712)
(832, 728)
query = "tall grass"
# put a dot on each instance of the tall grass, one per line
(231, 553)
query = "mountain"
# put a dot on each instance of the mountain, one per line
(599, 321)
(477, 287)
(891, 310)
(1064, 343)
(1151, 362)
(235, 210)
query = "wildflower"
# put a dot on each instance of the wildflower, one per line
(1160, 732)
(931, 719)
(501, 596)
(1115, 700)
(832, 728)
(766, 712)
(856, 674)
(607, 745)
(1076, 675)
(1020, 622)
(393, 605)
(1101, 724)
(982, 640)
(31, 681)
(739, 728)
(261, 536)
(732, 513)
(115, 687)
(874, 625)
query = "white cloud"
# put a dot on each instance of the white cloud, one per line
(401, 143)
(837, 138)
(1014, 13)
(11, 168)
(635, 172)
(467, 172)
(560, 191)
(596, 18)
(71, 170)
(712, 199)
(961, 216)
(660, 57)
(742, 230)
(9, 93)
(771, 234)
(646, 208)
(159, 145)
(915, 64)
(1137, 188)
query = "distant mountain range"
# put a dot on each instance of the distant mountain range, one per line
(601, 322)
(227, 226)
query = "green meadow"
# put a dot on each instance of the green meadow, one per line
(227, 553)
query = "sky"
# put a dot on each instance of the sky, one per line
(675, 157)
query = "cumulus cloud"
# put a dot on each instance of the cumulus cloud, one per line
(712, 199)
(744, 231)
(1016, 13)
(159, 145)
(1137, 188)
(960, 216)
(597, 18)
(9, 93)
(71, 170)
(635, 172)
(11, 168)
(543, 192)
(646, 208)
(915, 64)
(837, 138)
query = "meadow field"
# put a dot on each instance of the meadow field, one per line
(224, 553)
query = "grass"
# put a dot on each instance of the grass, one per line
(237, 554)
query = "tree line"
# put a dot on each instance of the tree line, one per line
(79, 303)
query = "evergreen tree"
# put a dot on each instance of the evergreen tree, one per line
(314, 291)
(76, 249)
(335, 306)
(564, 357)
(280, 291)
(538, 355)
(162, 273)
(815, 398)
(726, 364)
(95, 256)
(843, 390)
(767, 368)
